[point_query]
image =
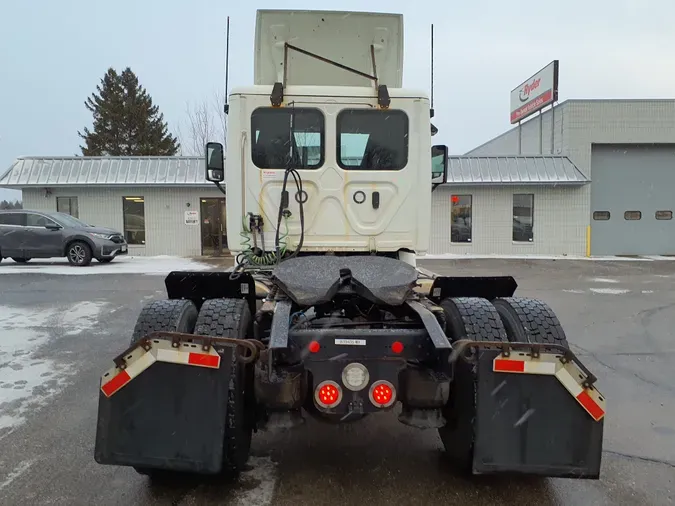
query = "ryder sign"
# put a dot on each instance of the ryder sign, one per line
(536, 93)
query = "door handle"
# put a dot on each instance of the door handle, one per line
(376, 200)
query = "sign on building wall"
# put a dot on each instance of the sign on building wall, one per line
(536, 93)
(192, 217)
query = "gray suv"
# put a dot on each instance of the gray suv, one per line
(34, 234)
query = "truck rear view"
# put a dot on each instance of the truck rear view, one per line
(325, 315)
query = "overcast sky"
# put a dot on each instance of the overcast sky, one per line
(54, 53)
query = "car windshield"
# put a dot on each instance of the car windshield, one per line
(68, 220)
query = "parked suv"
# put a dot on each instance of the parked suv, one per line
(34, 234)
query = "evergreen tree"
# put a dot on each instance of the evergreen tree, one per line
(6, 204)
(126, 123)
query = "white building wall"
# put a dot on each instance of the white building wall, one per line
(578, 125)
(165, 230)
(535, 136)
(559, 221)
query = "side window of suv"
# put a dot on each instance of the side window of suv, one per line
(35, 220)
(12, 219)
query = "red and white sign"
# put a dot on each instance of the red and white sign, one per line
(536, 93)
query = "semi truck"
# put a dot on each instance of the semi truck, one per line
(328, 175)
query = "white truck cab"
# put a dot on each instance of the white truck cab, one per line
(327, 144)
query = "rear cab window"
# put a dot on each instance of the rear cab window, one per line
(372, 139)
(272, 147)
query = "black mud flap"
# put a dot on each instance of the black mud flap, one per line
(169, 417)
(531, 424)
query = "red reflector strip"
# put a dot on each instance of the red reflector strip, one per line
(204, 360)
(590, 405)
(116, 383)
(502, 365)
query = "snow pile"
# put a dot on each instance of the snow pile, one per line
(159, 265)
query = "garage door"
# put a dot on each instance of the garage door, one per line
(632, 200)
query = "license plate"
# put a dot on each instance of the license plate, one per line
(124, 248)
(351, 342)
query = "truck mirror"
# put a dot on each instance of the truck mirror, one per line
(215, 162)
(439, 163)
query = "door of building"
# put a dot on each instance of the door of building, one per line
(214, 233)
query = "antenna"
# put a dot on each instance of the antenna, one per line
(432, 71)
(226, 107)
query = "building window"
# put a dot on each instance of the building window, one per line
(133, 210)
(632, 215)
(460, 228)
(372, 139)
(271, 129)
(601, 215)
(664, 215)
(523, 217)
(67, 205)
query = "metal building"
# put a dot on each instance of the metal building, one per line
(627, 149)
(163, 205)
(509, 205)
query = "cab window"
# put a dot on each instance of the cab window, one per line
(289, 136)
(372, 139)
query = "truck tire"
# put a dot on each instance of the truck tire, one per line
(530, 321)
(232, 318)
(475, 319)
(168, 315)
(165, 315)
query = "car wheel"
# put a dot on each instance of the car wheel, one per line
(79, 254)
(20, 260)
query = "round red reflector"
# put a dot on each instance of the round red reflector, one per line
(381, 395)
(314, 347)
(397, 347)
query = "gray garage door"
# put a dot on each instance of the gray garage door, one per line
(632, 200)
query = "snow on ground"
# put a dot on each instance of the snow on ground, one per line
(610, 291)
(26, 380)
(159, 265)
(457, 256)
(257, 485)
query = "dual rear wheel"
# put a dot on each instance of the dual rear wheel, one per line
(513, 319)
(216, 318)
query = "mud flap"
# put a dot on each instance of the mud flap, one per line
(169, 417)
(531, 424)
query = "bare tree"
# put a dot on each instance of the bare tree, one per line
(206, 122)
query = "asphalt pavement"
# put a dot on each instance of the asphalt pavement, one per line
(58, 333)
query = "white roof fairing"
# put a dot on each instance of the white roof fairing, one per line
(105, 171)
(343, 37)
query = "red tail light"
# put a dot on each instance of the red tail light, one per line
(328, 394)
(382, 394)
